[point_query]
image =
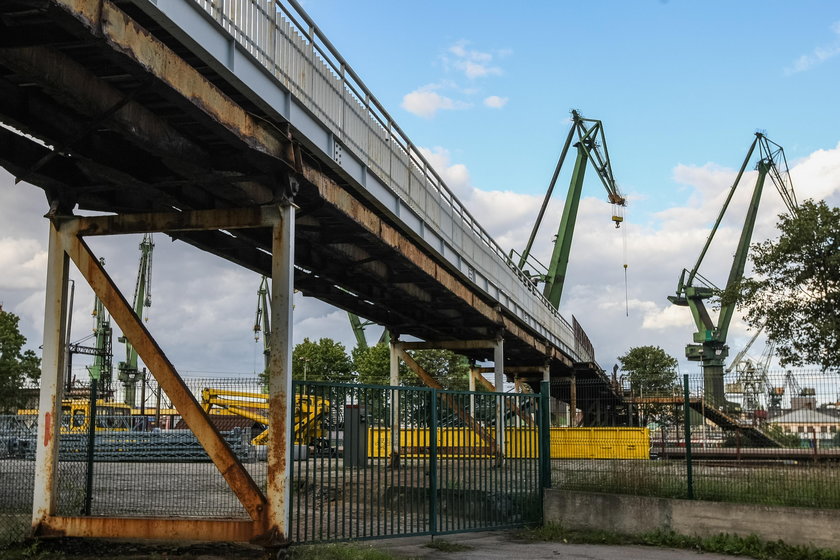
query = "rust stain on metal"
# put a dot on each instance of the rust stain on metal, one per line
(126, 36)
(164, 372)
(195, 220)
(47, 428)
(148, 528)
(89, 12)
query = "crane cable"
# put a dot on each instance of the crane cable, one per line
(626, 299)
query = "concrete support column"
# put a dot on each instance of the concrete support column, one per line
(281, 397)
(573, 401)
(394, 346)
(52, 371)
(473, 373)
(499, 379)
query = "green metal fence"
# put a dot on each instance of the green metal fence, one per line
(771, 438)
(391, 461)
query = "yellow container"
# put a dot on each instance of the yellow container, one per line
(520, 443)
(600, 443)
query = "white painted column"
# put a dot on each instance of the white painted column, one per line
(281, 397)
(547, 377)
(499, 378)
(52, 374)
(393, 347)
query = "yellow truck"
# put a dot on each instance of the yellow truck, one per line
(309, 414)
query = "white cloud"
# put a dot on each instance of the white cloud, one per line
(819, 55)
(655, 253)
(473, 63)
(425, 102)
(495, 102)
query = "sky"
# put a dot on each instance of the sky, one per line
(486, 89)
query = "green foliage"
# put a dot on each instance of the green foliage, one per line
(325, 360)
(651, 370)
(449, 368)
(17, 366)
(796, 290)
(342, 551)
(787, 440)
(446, 546)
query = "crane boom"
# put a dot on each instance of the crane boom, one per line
(709, 345)
(128, 372)
(262, 322)
(591, 146)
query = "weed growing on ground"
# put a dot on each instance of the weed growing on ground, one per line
(446, 546)
(750, 546)
(342, 551)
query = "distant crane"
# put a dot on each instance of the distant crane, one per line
(693, 289)
(102, 369)
(751, 380)
(127, 371)
(262, 322)
(591, 147)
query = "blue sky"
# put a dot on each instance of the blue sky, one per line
(485, 90)
(674, 82)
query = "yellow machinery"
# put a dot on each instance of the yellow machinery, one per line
(520, 443)
(308, 415)
(75, 414)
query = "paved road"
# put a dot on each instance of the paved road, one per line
(499, 545)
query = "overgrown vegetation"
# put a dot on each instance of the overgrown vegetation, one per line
(750, 546)
(343, 551)
(813, 486)
(446, 546)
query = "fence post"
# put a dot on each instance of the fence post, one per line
(91, 444)
(433, 501)
(687, 407)
(544, 434)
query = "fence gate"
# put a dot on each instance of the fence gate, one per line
(373, 461)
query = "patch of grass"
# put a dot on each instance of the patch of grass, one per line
(32, 550)
(446, 546)
(343, 551)
(750, 546)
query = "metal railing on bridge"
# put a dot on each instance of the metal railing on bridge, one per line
(285, 41)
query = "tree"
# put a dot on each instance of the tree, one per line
(651, 371)
(796, 291)
(325, 360)
(373, 365)
(16, 366)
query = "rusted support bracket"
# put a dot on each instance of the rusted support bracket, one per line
(164, 372)
(450, 401)
(475, 374)
(194, 220)
(149, 528)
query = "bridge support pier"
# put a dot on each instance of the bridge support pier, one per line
(280, 377)
(267, 518)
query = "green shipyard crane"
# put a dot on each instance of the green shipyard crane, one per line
(709, 346)
(591, 147)
(101, 371)
(127, 371)
(262, 322)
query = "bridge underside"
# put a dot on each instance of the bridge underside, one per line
(133, 122)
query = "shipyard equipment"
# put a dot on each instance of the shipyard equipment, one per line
(127, 371)
(591, 147)
(693, 290)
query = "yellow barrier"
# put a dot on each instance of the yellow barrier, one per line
(520, 443)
